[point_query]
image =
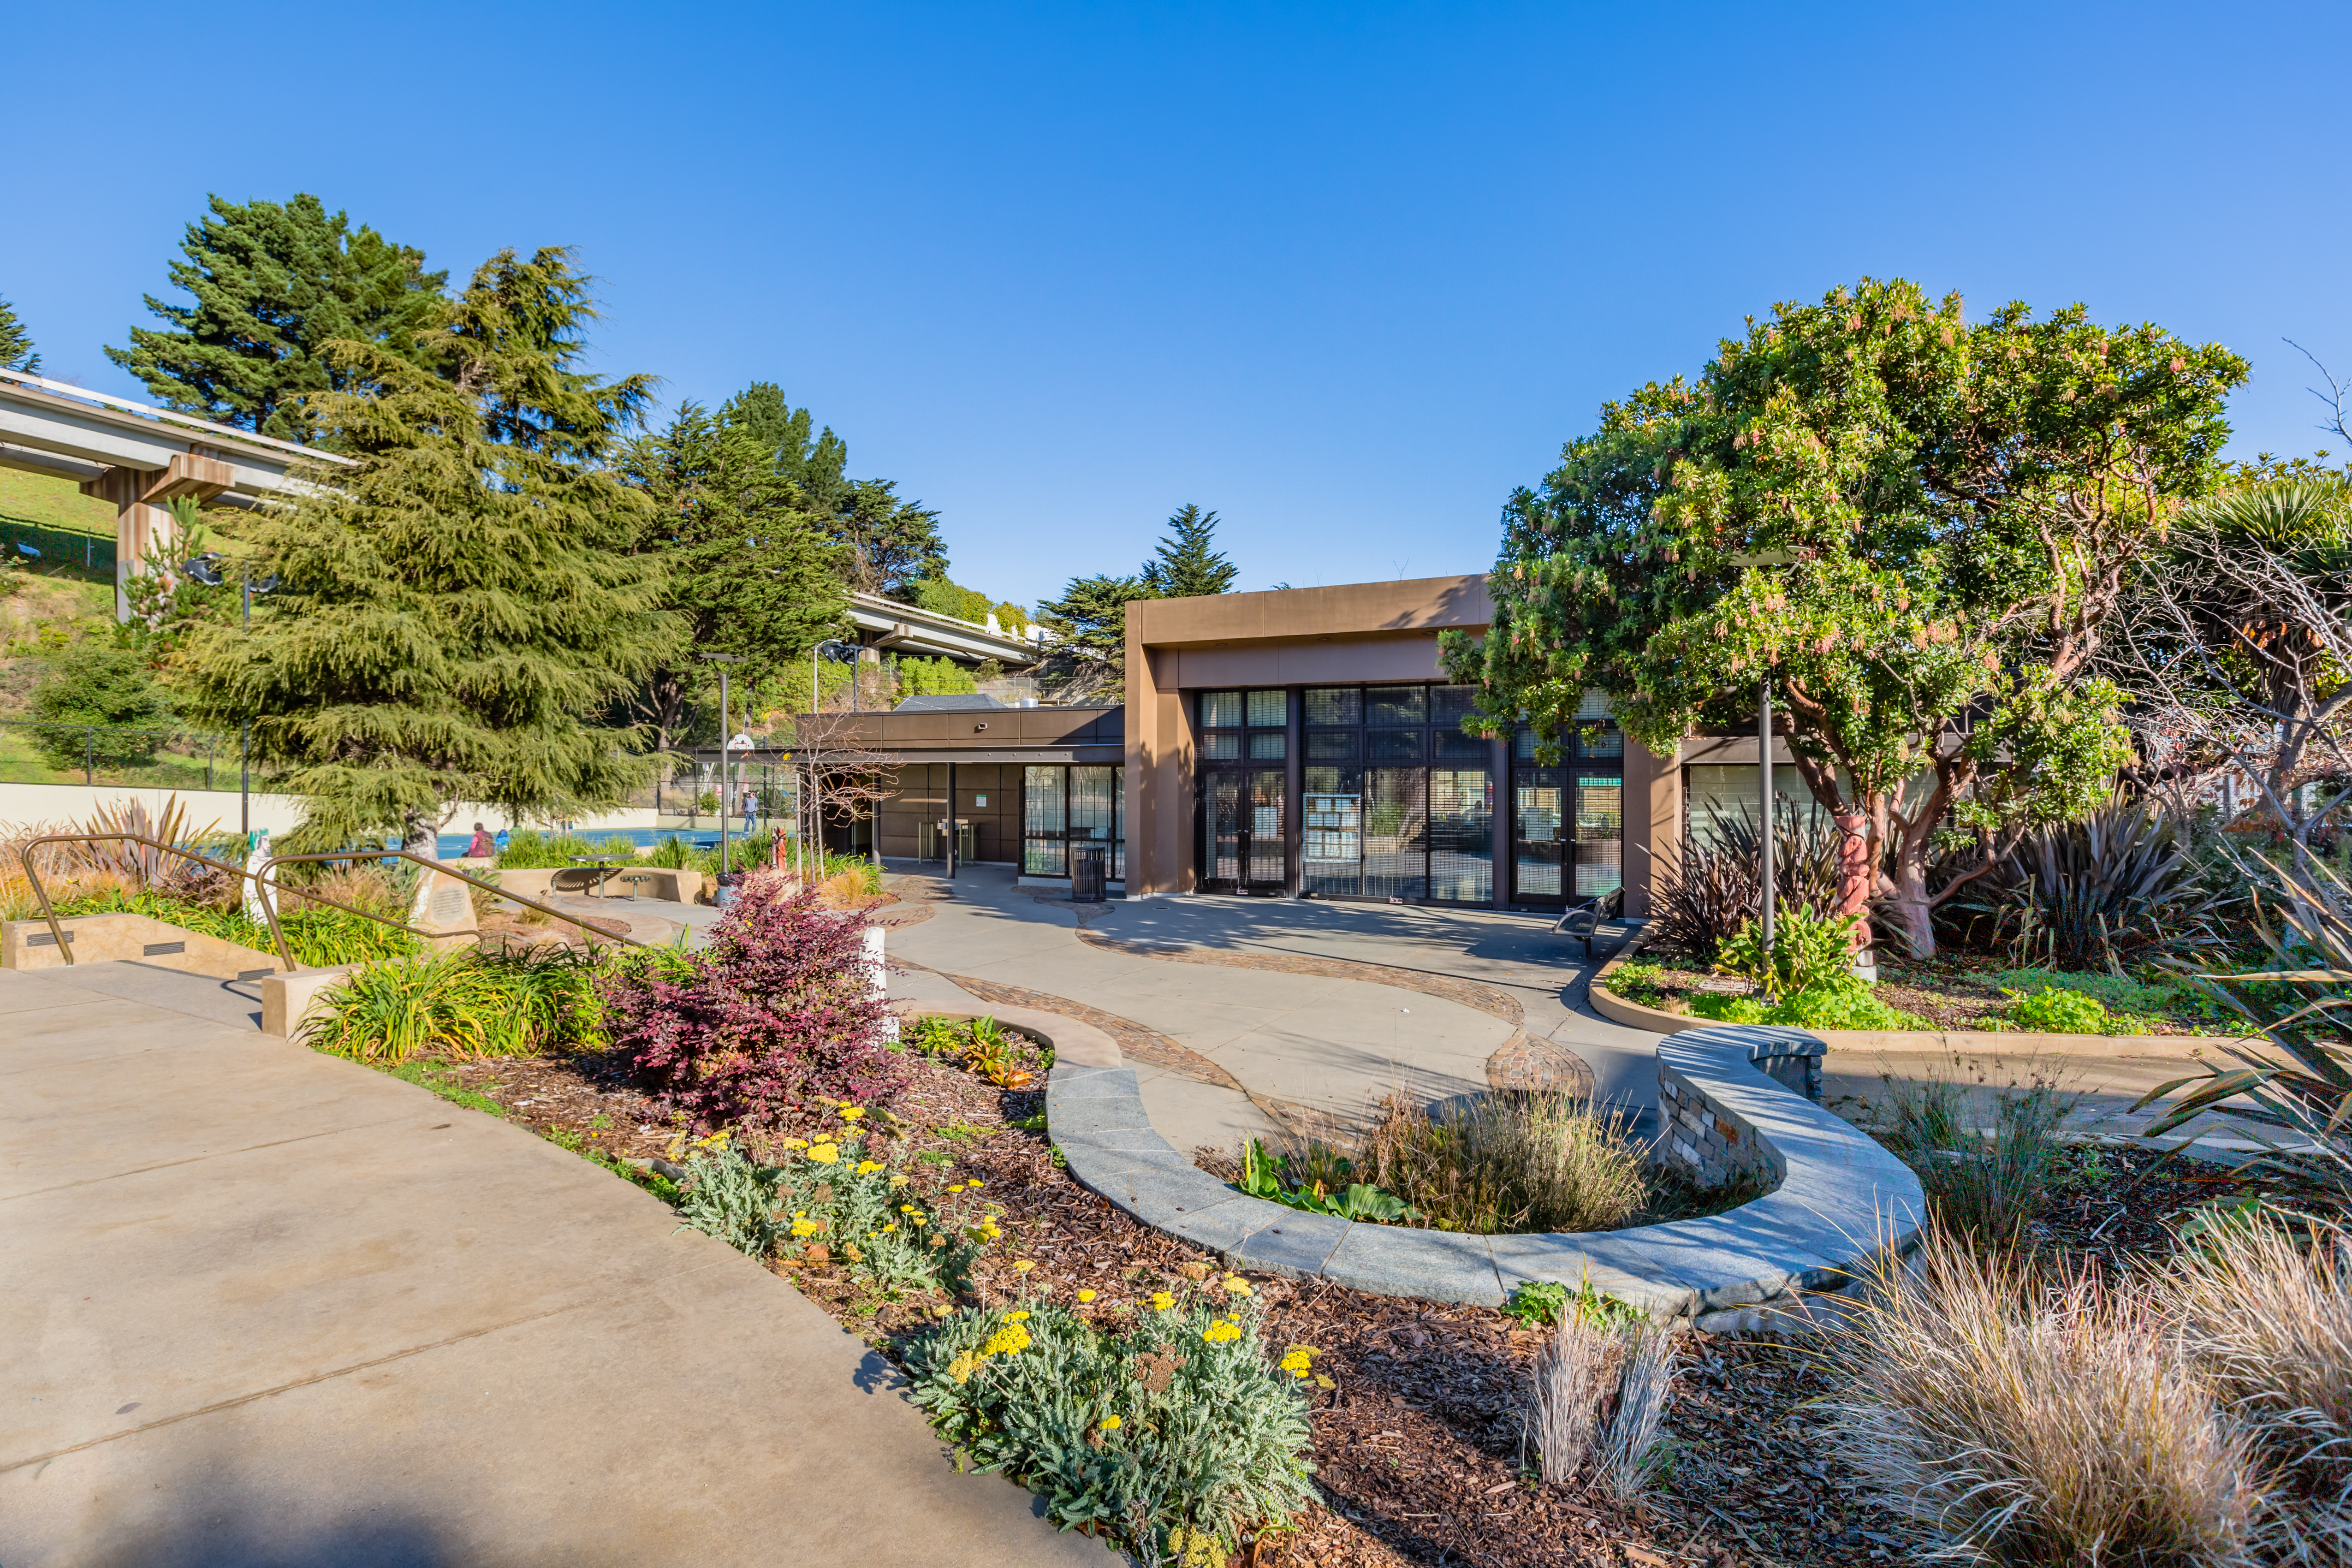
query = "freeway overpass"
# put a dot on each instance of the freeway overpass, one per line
(140, 457)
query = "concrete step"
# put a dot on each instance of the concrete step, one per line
(236, 1003)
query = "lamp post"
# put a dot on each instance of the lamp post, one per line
(206, 569)
(1764, 775)
(722, 661)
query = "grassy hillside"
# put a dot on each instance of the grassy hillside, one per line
(56, 503)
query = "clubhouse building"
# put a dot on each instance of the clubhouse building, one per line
(1296, 744)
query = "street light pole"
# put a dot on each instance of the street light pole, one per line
(722, 661)
(206, 569)
(1764, 776)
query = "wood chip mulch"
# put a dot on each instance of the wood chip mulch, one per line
(1416, 1448)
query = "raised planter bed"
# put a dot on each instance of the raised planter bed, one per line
(1841, 1201)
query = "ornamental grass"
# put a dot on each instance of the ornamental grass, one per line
(1171, 1435)
(2195, 1418)
(1490, 1163)
(461, 1005)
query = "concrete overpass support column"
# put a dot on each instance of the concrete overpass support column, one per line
(140, 525)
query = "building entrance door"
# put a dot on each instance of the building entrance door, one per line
(1243, 849)
(1538, 820)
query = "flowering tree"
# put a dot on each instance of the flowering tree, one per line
(775, 1019)
(1914, 527)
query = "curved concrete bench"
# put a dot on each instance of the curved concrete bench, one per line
(1842, 1202)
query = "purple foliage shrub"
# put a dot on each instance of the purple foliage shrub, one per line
(775, 1016)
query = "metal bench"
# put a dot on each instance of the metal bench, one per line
(632, 878)
(577, 879)
(1584, 919)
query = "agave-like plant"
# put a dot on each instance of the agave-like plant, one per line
(2290, 1079)
(2099, 893)
(1708, 891)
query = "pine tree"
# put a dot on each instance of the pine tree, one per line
(454, 612)
(815, 464)
(1089, 661)
(749, 571)
(1188, 564)
(273, 285)
(16, 343)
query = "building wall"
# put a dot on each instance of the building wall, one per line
(1340, 636)
(988, 795)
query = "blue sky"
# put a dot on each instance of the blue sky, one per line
(1345, 273)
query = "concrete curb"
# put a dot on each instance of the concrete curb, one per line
(1843, 1202)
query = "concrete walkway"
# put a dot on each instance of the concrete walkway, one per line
(1313, 1041)
(265, 1308)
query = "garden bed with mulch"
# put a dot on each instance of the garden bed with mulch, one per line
(1416, 1440)
(1963, 992)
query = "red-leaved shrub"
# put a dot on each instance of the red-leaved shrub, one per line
(776, 1015)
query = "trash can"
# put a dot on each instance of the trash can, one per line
(1089, 869)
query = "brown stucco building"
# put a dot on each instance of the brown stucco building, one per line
(1300, 743)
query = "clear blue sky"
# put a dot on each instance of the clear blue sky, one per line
(1346, 273)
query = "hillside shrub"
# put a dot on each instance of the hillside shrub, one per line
(773, 1023)
(1173, 1436)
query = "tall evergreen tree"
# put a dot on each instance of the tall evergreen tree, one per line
(456, 610)
(889, 544)
(816, 463)
(273, 286)
(1088, 661)
(15, 344)
(1188, 564)
(749, 571)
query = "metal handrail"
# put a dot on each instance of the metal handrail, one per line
(436, 866)
(269, 909)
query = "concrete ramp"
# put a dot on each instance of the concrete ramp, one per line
(265, 1307)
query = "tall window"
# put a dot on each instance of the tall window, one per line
(1063, 805)
(1396, 802)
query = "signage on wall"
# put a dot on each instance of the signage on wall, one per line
(979, 800)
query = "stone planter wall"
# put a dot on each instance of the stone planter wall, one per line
(1843, 1202)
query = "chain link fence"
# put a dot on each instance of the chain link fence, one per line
(103, 755)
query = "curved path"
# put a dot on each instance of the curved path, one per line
(1238, 1013)
(267, 1307)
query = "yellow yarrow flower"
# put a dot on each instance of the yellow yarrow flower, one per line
(1110, 1423)
(1023, 1266)
(1221, 1332)
(1236, 1285)
(805, 1228)
(1017, 1317)
(867, 1167)
(851, 1113)
(964, 1365)
(794, 1143)
(1297, 1364)
(824, 1153)
(887, 1228)
(1161, 1301)
(1008, 1340)
(1085, 1296)
(957, 1188)
(898, 1178)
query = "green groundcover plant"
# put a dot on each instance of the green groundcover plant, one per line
(2054, 1011)
(463, 1004)
(1171, 1435)
(316, 938)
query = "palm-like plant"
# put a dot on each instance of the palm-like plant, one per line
(2098, 893)
(2291, 1077)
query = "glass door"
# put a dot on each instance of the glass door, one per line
(1537, 840)
(1242, 848)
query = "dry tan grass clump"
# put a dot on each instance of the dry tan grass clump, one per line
(1506, 1162)
(845, 890)
(2267, 1319)
(2025, 1422)
(1598, 1399)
